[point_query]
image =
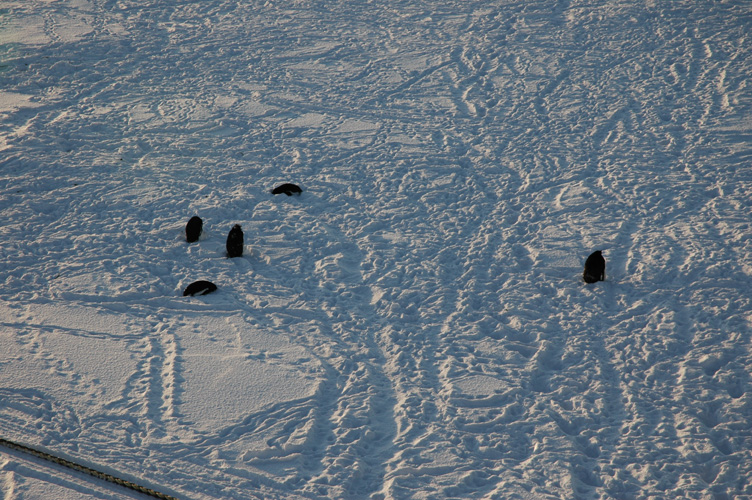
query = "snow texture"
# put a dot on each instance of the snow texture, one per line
(415, 324)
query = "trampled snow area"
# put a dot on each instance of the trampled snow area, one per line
(415, 324)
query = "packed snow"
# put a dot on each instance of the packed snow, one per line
(415, 324)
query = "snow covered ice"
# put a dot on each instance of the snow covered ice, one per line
(414, 325)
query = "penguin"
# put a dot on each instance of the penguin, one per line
(193, 229)
(288, 189)
(235, 242)
(201, 287)
(595, 268)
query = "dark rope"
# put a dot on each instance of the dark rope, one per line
(86, 470)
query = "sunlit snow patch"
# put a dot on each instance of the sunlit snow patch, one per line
(13, 100)
(232, 369)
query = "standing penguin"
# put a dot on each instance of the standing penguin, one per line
(595, 268)
(235, 242)
(193, 229)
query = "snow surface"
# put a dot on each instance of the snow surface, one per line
(415, 324)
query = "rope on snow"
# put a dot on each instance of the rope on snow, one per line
(86, 470)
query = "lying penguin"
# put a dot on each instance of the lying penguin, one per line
(288, 189)
(201, 287)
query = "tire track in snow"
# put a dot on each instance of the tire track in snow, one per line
(361, 420)
(340, 451)
(407, 297)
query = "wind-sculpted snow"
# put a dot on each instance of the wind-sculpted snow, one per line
(414, 324)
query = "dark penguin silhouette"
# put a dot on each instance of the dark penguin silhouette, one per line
(235, 242)
(193, 229)
(201, 287)
(288, 189)
(595, 268)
